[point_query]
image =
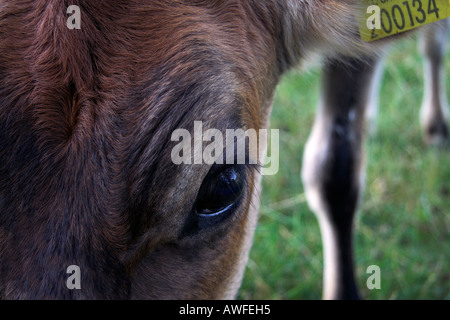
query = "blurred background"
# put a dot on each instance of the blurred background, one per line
(403, 224)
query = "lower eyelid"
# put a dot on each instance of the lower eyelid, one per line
(216, 213)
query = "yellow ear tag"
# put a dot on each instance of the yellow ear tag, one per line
(385, 18)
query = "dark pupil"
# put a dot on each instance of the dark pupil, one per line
(220, 192)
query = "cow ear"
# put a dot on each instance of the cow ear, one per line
(328, 27)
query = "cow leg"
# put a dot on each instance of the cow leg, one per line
(374, 94)
(333, 173)
(433, 114)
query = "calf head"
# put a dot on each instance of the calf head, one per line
(86, 118)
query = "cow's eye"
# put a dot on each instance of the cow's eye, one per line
(220, 191)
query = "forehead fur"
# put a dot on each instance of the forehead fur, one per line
(87, 116)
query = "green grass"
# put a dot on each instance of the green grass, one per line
(403, 224)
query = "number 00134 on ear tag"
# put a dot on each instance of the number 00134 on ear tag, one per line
(384, 18)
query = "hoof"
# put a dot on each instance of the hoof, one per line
(437, 135)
